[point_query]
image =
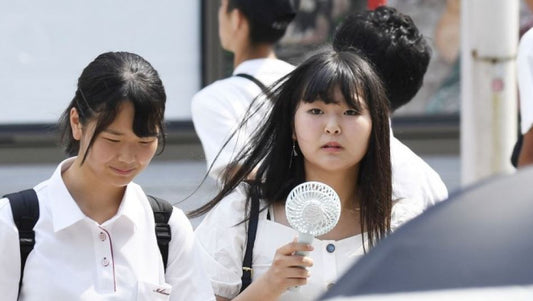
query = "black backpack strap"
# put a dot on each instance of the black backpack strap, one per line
(247, 271)
(253, 79)
(516, 150)
(25, 208)
(162, 211)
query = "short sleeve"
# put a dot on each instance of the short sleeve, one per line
(184, 268)
(221, 237)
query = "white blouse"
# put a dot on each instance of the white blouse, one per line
(222, 241)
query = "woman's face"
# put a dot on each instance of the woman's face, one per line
(332, 137)
(117, 154)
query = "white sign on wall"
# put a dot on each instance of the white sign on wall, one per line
(44, 46)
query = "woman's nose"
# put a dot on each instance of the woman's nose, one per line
(332, 126)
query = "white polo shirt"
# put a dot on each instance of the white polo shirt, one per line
(75, 258)
(524, 64)
(218, 109)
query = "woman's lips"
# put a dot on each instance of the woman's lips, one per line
(332, 146)
(123, 171)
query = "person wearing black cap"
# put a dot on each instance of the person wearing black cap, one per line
(400, 54)
(249, 29)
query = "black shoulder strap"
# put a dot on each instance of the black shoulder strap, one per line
(516, 150)
(25, 208)
(255, 80)
(252, 231)
(162, 212)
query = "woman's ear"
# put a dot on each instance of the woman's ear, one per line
(239, 23)
(237, 18)
(75, 124)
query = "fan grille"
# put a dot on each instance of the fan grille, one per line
(313, 208)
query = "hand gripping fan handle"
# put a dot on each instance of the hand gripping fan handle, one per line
(305, 238)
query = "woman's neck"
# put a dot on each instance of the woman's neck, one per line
(343, 182)
(345, 185)
(253, 52)
(96, 200)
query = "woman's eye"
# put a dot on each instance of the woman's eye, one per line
(112, 140)
(146, 141)
(315, 111)
(351, 113)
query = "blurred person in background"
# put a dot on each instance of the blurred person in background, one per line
(392, 43)
(249, 29)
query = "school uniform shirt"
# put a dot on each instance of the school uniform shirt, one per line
(413, 179)
(222, 239)
(218, 109)
(75, 258)
(524, 64)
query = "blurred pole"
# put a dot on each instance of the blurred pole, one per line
(373, 4)
(489, 40)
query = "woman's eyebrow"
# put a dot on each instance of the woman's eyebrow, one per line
(113, 132)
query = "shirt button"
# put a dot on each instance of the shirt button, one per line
(330, 285)
(105, 261)
(102, 236)
(330, 248)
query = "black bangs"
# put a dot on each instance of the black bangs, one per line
(147, 120)
(322, 82)
(149, 102)
(109, 80)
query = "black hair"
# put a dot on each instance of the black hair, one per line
(265, 29)
(392, 43)
(271, 146)
(108, 81)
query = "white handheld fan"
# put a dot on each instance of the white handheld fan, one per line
(312, 209)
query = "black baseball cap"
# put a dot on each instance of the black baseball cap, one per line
(276, 14)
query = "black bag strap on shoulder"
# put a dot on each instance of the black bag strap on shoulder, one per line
(516, 150)
(253, 79)
(25, 208)
(162, 211)
(247, 271)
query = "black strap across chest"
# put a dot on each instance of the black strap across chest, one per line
(253, 79)
(250, 241)
(247, 270)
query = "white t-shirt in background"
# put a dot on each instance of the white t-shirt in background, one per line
(218, 109)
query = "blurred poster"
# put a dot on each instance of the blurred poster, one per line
(46, 44)
(439, 22)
